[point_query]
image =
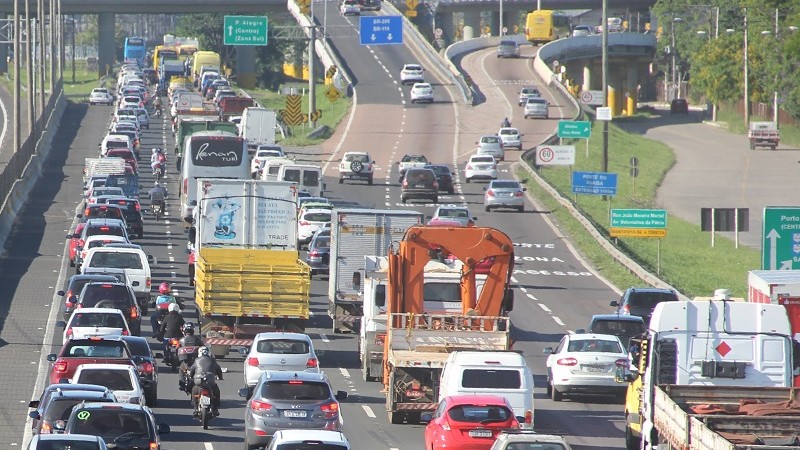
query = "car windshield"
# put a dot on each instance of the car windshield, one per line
(67, 444)
(97, 320)
(594, 345)
(282, 346)
(505, 185)
(117, 260)
(491, 378)
(479, 414)
(534, 446)
(110, 423)
(359, 158)
(317, 217)
(114, 379)
(295, 390)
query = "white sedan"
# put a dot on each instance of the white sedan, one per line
(585, 363)
(481, 167)
(94, 322)
(309, 222)
(101, 95)
(412, 73)
(422, 92)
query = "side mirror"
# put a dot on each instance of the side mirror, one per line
(341, 395)
(244, 351)
(193, 203)
(475, 219)
(425, 418)
(61, 324)
(624, 375)
(244, 392)
(151, 259)
(163, 428)
(159, 355)
(33, 404)
(61, 293)
(192, 234)
(580, 331)
(614, 303)
(63, 381)
(52, 357)
(524, 189)
(548, 350)
(79, 216)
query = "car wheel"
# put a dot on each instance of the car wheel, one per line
(555, 395)
(487, 208)
(467, 179)
(451, 191)
(369, 181)
(435, 199)
(521, 209)
(402, 199)
(71, 263)
(341, 180)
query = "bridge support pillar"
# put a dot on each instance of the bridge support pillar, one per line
(472, 24)
(615, 98)
(246, 66)
(3, 58)
(587, 76)
(631, 83)
(106, 50)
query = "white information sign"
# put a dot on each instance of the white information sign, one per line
(604, 113)
(592, 98)
(555, 155)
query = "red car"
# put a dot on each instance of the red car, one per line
(124, 153)
(75, 240)
(468, 422)
(94, 350)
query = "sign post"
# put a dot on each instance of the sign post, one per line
(245, 30)
(381, 30)
(780, 248)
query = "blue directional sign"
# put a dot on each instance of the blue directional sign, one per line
(596, 183)
(381, 30)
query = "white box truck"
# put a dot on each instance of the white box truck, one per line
(258, 127)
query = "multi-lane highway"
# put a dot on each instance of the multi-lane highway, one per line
(555, 290)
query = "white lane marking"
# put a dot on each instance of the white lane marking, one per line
(171, 259)
(544, 307)
(558, 321)
(5, 123)
(323, 337)
(344, 372)
(523, 290)
(369, 412)
(169, 246)
(173, 275)
(514, 280)
(208, 446)
(530, 296)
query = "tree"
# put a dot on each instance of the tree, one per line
(717, 69)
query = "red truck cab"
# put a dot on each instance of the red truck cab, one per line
(94, 350)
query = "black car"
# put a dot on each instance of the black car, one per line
(124, 425)
(131, 210)
(642, 301)
(367, 5)
(679, 106)
(113, 295)
(419, 184)
(55, 390)
(74, 287)
(51, 417)
(622, 326)
(146, 366)
(319, 253)
(444, 176)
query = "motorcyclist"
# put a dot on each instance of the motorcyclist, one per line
(190, 339)
(203, 364)
(158, 195)
(172, 323)
(157, 104)
(506, 123)
(158, 161)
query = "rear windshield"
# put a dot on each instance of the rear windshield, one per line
(110, 230)
(505, 185)
(97, 320)
(110, 423)
(310, 178)
(120, 153)
(360, 158)
(594, 345)
(419, 175)
(116, 144)
(295, 390)
(618, 327)
(322, 242)
(114, 379)
(440, 169)
(104, 213)
(310, 445)
(479, 414)
(93, 293)
(534, 446)
(482, 159)
(491, 378)
(441, 292)
(537, 101)
(413, 67)
(650, 299)
(61, 407)
(283, 346)
(96, 349)
(508, 43)
(490, 140)
(116, 260)
(66, 444)
(317, 217)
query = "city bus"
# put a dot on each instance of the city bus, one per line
(542, 26)
(162, 52)
(134, 50)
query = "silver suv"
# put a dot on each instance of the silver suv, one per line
(356, 166)
(289, 400)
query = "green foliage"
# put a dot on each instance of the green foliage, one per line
(717, 67)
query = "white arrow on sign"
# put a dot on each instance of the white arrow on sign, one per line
(389, 37)
(230, 30)
(773, 237)
(786, 265)
(373, 37)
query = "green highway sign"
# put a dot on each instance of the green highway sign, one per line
(245, 30)
(780, 248)
(574, 129)
(639, 218)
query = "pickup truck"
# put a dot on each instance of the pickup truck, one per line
(410, 162)
(102, 350)
(763, 134)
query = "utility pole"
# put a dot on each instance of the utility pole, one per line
(746, 76)
(52, 48)
(17, 109)
(41, 66)
(605, 83)
(312, 87)
(29, 69)
(775, 93)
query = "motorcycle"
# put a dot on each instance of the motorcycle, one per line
(158, 113)
(202, 396)
(171, 348)
(157, 211)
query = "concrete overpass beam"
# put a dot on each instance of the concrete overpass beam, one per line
(106, 45)
(246, 66)
(631, 89)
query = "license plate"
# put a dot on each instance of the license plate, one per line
(205, 400)
(294, 414)
(420, 186)
(594, 369)
(480, 433)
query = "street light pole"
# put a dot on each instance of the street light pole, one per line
(672, 53)
(746, 76)
(775, 92)
(605, 82)
(17, 107)
(312, 88)
(501, 33)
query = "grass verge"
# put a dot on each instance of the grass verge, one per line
(79, 90)
(332, 112)
(687, 261)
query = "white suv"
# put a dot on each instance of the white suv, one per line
(356, 166)
(412, 73)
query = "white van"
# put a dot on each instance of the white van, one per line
(503, 373)
(308, 177)
(210, 154)
(272, 165)
(134, 261)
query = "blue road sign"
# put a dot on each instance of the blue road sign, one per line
(381, 30)
(596, 183)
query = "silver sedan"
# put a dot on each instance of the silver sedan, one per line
(504, 194)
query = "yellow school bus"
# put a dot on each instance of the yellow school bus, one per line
(544, 26)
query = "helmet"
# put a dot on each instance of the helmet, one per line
(155, 150)
(174, 307)
(157, 184)
(164, 288)
(188, 328)
(203, 351)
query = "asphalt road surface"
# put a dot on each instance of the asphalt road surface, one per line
(555, 291)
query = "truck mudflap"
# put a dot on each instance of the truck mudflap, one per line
(346, 314)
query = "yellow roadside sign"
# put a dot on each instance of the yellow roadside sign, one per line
(412, 4)
(411, 13)
(638, 232)
(332, 93)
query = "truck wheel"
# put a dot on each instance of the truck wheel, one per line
(396, 417)
(631, 442)
(773, 147)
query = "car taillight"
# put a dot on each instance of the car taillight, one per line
(146, 367)
(380, 339)
(303, 223)
(61, 366)
(174, 342)
(124, 332)
(529, 416)
(154, 446)
(69, 304)
(186, 186)
(567, 362)
(330, 410)
(312, 363)
(148, 282)
(313, 253)
(258, 406)
(436, 185)
(626, 309)
(490, 193)
(252, 362)
(405, 182)
(621, 362)
(68, 333)
(134, 312)
(45, 428)
(138, 207)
